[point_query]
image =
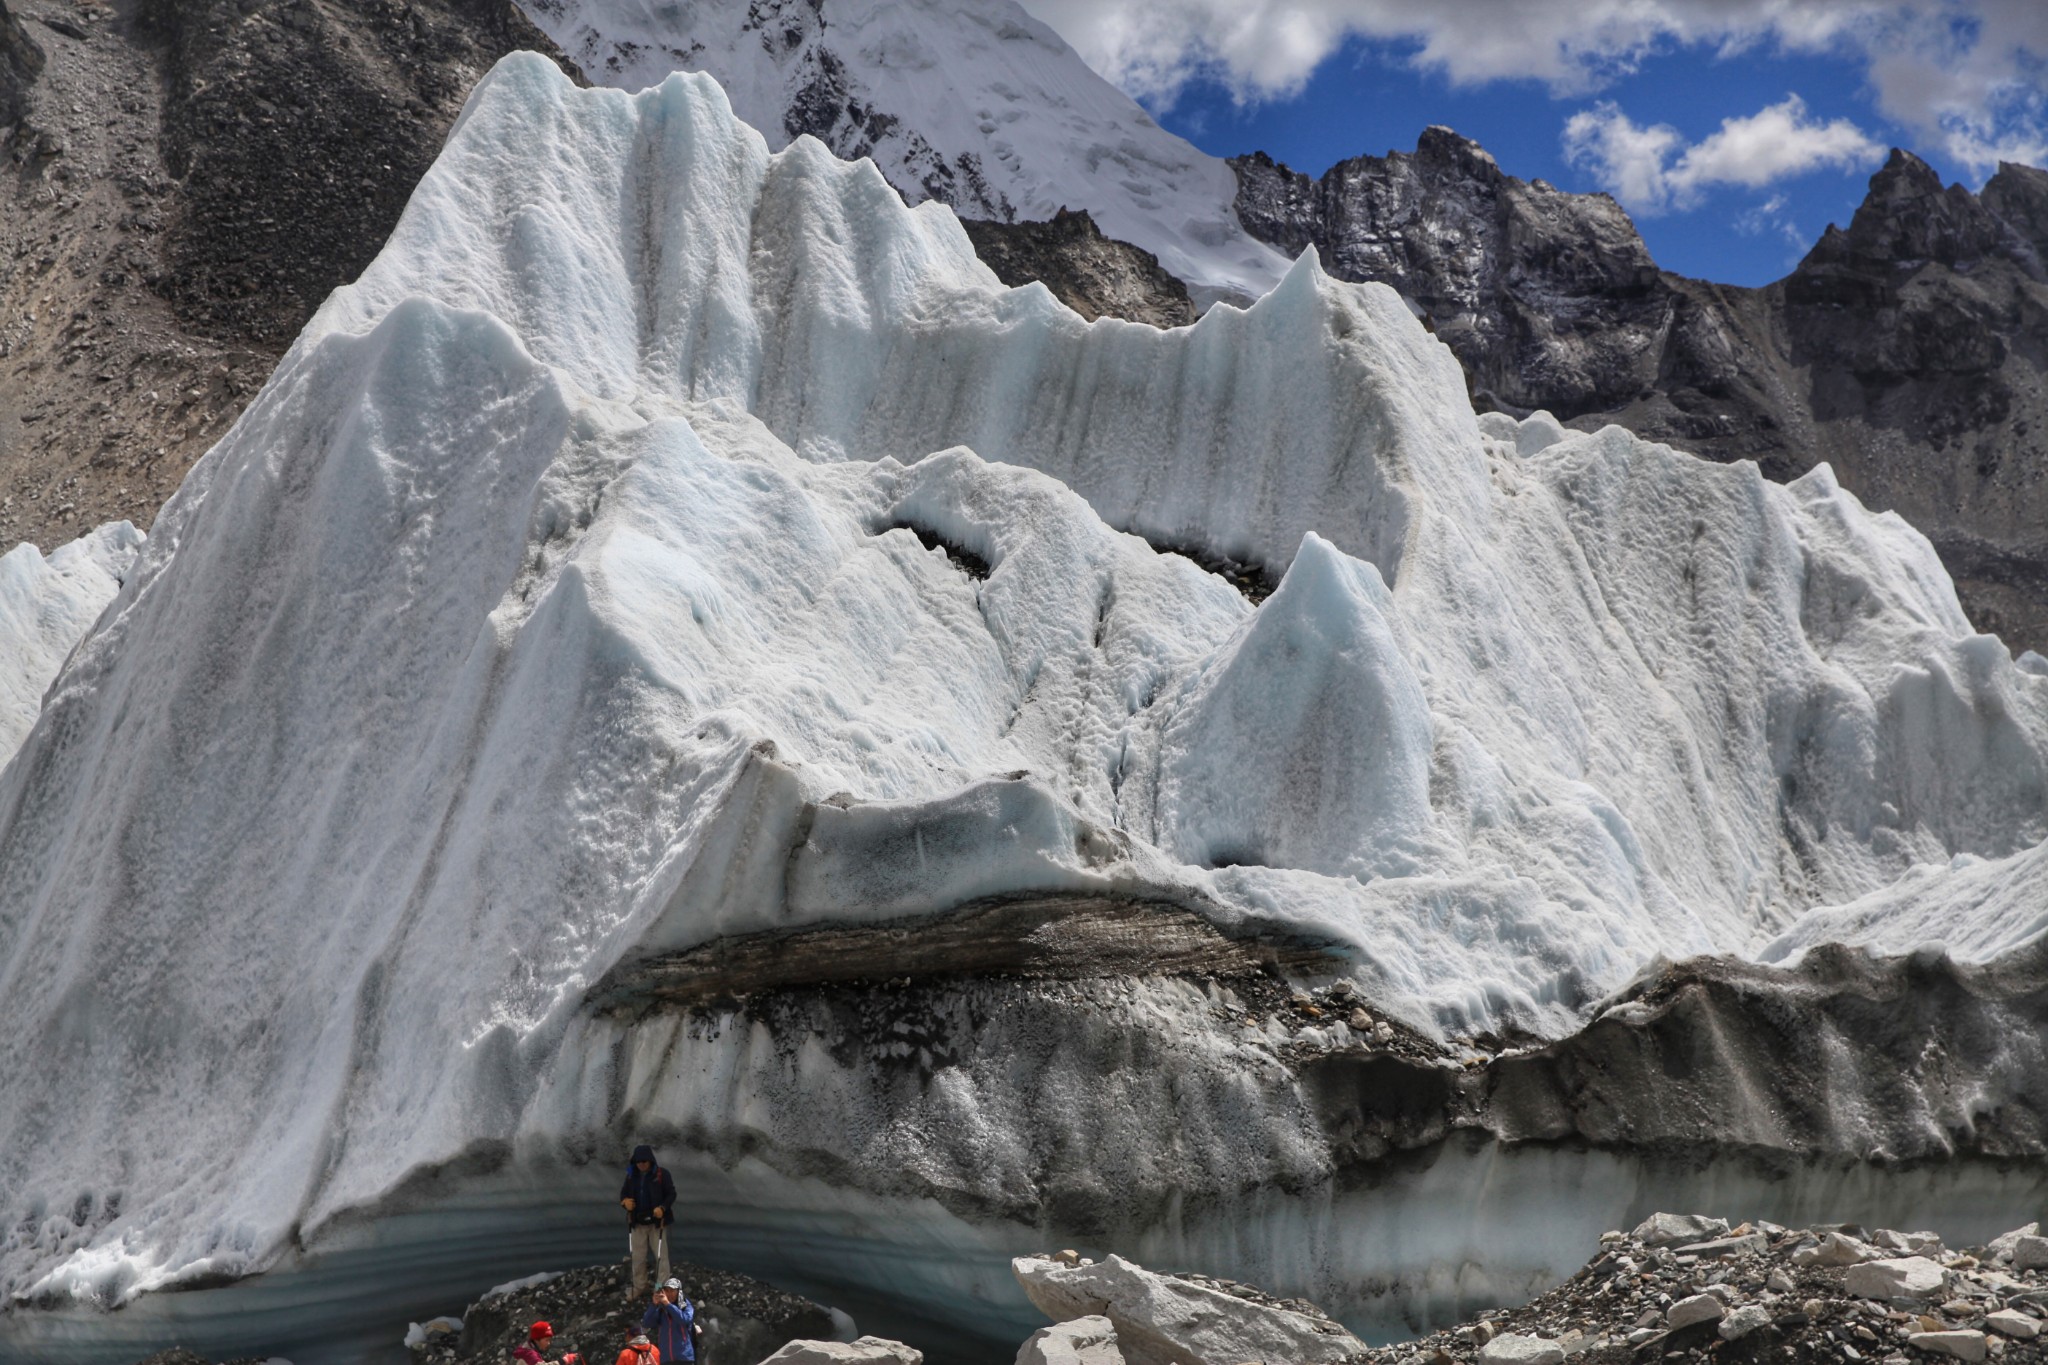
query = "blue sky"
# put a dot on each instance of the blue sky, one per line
(1363, 99)
(1734, 131)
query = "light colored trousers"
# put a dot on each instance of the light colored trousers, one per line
(648, 1243)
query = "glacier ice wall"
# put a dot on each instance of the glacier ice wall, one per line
(668, 539)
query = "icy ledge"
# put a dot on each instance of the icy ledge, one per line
(606, 578)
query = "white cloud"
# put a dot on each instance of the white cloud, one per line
(1770, 218)
(1773, 144)
(1970, 76)
(1632, 163)
(1652, 169)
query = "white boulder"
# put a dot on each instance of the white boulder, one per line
(1836, 1249)
(2001, 1247)
(1512, 1348)
(1084, 1341)
(1743, 1321)
(1160, 1320)
(1962, 1345)
(2010, 1322)
(1905, 1277)
(1698, 1308)
(1671, 1229)
(2029, 1252)
(865, 1351)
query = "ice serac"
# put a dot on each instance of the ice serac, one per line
(1017, 127)
(675, 563)
(1316, 684)
(46, 604)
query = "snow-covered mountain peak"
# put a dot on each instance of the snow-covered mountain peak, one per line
(975, 104)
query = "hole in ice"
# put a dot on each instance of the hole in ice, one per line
(1236, 857)
(1255, 581)
(964, 559)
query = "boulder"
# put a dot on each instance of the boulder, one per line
(2000, 1248)
(2029, 1252)
(1512, 1348)
(1907, 1277)
(1835, 1249)
(1725, 1246)
(1744, 1320)
(2010, 1322)
(1672, 1229)
(865, 1351)
(1161, 1320)
(1962, 1345)
(1084, 1341)
(1912, 1243)
(1698, 1308)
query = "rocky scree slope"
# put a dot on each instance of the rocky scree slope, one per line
(1909, 350)
(1094, 275)
(1683, 1287)
(183, 181)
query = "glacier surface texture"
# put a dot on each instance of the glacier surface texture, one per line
(669, 539)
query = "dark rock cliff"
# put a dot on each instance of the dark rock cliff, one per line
(1909, 350)
(1094, 275)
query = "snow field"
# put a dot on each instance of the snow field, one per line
(573, 563)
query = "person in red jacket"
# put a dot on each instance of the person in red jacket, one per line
(639, 1350)
(534, 1352)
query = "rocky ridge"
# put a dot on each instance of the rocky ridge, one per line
(1909, 350)
(1094, 275)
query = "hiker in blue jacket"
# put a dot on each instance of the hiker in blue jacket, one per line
(649, 1198)
(672, 1323)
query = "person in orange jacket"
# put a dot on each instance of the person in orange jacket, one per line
(639, 1350)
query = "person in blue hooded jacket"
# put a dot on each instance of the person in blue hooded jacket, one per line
(649, 1198)
(671, 1323)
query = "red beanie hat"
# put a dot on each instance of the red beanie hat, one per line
(539, 1330)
